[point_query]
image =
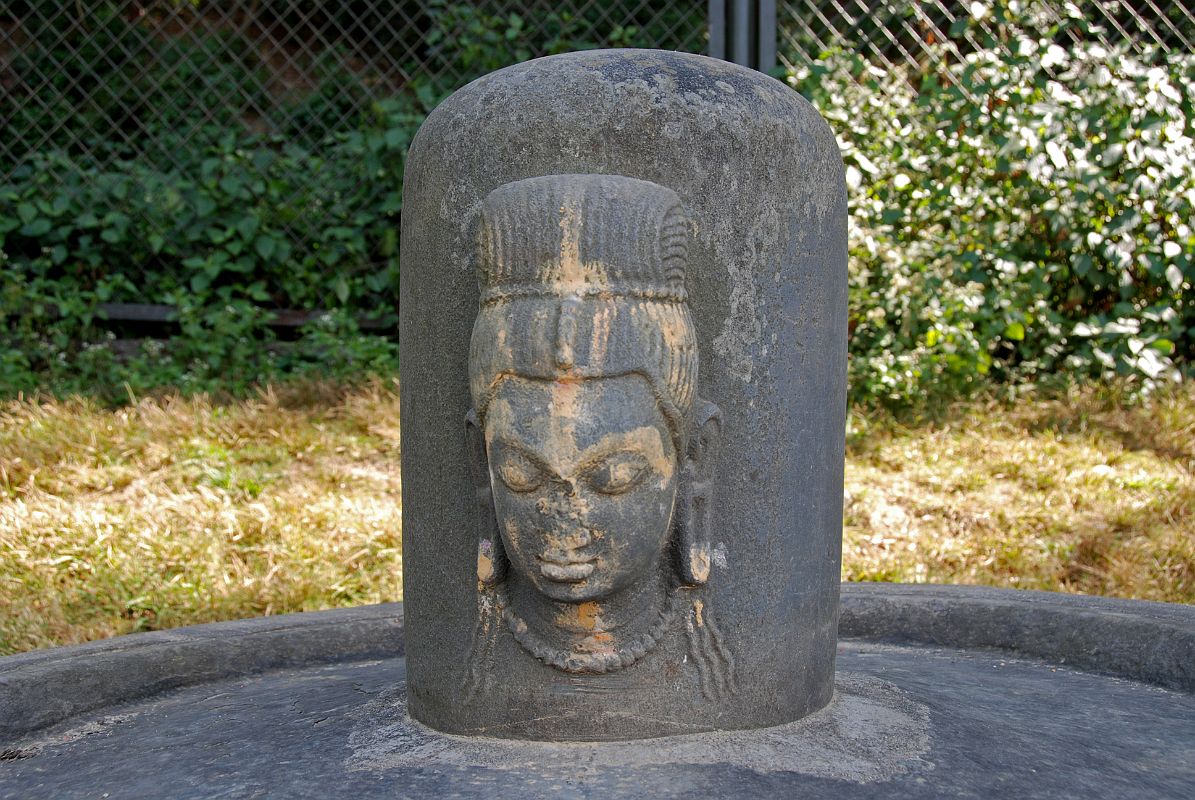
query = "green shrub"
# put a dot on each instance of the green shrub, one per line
(245, 225)
(467, 40)
(98, 86)
(1024, 213)
(131, 177)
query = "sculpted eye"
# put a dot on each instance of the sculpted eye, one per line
(618, 473)
(518, 473)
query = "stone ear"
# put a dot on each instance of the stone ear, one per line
(697, 488)
(491, 555)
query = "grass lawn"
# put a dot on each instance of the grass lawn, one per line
(175, 511)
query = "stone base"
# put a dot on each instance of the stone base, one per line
(910, 718)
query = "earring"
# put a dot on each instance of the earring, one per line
(695, 523)
(694, 534)
(491, 554)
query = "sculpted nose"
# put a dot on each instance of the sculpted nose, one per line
(563, 501)
(566, 529)
(576, 538)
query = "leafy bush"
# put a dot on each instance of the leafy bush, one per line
(234, 230)
(130, 177)
(476, 38)
(108, 88)
(134, 179)
(1021, 213)
(1024, 213)
(467, 40)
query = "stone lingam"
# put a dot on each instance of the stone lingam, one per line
(624, 362)
(624, 347)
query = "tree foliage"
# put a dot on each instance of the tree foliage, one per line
(1022, 213)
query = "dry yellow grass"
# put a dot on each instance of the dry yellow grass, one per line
(175, 511)
(1076, 494)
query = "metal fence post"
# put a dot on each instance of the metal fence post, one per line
(744, 31)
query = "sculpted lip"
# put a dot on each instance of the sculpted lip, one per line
(566, 573)
(566, 567)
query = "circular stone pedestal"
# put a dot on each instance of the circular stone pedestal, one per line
(940, 691)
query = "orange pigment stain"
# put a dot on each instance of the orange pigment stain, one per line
(600, 335)
(564, 409)
(586, 617)
(699, 564)
(571, 272)
(587, 614)
(485, 567)
(566, 396)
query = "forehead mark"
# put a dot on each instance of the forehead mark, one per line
(571, 271)
(603, 322)
(564, 409)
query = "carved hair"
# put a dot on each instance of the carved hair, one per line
(584, 276)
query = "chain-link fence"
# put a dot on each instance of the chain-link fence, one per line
(153, 124)
(167, 150)
(104, 78)
(915, 34)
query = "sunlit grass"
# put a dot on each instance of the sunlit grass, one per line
(175, 511)
(1082, 493)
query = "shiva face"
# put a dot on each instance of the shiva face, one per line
(584, 478)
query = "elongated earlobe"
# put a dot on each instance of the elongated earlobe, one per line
(491, 555)
(697, 487)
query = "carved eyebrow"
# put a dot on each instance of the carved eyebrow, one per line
(535, 458)
(599, 453)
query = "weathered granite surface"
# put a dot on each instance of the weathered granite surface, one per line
(645, 248)
(942, 691)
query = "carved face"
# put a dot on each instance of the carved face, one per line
(584, 479)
